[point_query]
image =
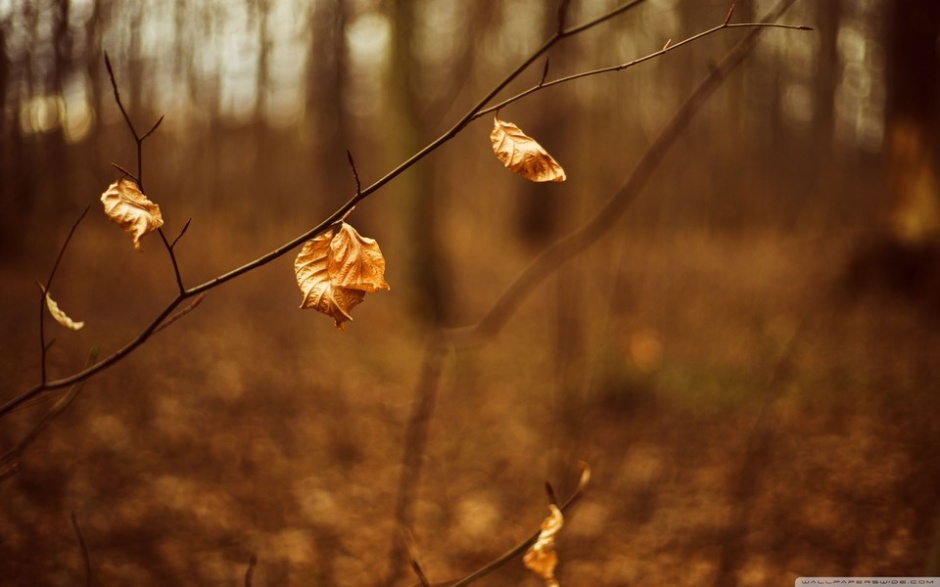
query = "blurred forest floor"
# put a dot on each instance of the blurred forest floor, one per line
(741, 409)
(753, 404)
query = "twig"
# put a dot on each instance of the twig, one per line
(250, 571)
(669, 46)
(84, 549)
(544, 73)
(9, 462)
(522, 546)
(172, 253)
(550, 491)
(352, 165)
(416, 435)
(189, 308)
(180, 235)
(139, 178)
(126, 172)
(43, 345)
(412, 548)
(138, 138)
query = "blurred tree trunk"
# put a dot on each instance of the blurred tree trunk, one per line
(428, 264)
(328, 125)
(9, 140)
(825, 164)
(905, 255)
(912, 120)
(56, 155)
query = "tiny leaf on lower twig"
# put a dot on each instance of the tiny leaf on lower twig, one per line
(541, 557)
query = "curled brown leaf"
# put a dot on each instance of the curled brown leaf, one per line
(523, 154)
(59, 316)
(126, 205)
(335, 271)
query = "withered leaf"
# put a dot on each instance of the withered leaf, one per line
(541, 558)
(522, 154)
(60, 316)
(335, 271)
(126, 205)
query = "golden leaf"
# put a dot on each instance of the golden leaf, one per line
(541, 558)
(60, 316)
(523, 154)
(125, 204)
(335, 271)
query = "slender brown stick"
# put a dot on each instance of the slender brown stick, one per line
(43, 345)
(250, 571)
(84, 549)
(10, 460)
(520, 548)
(668, 47)
(139, 178)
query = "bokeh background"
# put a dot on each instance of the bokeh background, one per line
(748, 361)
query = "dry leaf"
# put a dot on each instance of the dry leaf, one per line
(336, 269)
(60, 316)
(125, 204)
(541, 558)
(523, 154)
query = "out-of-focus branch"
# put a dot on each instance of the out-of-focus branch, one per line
(89, 577)
(10, 460)
(549, 261)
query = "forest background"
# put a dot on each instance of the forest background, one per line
(747, 361)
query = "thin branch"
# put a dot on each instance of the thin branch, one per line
(181, 233)
(416, 434)
(352, 165)
(250, 571)
(172, 253)
(562, 16)
(117, 98)
(152, 128)
(520, 548)
(84, 549)
(544, 73)
(43, 345)
(730, 14)
(9, 462)
(412, 548)
(126, 172)
(669, 46)
(189, 308)
(550, 491)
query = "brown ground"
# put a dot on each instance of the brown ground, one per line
(743, 414)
